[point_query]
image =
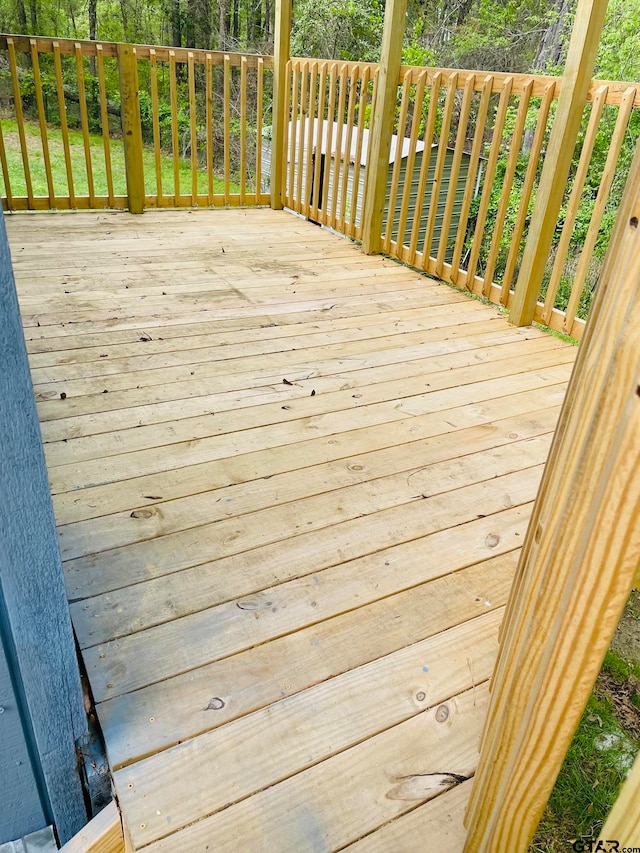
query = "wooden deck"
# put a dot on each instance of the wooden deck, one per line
(290, 483)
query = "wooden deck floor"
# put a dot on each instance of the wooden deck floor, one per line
(290, 483)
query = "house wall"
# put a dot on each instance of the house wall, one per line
(43, 717)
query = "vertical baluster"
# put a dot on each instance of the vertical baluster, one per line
(347, 172)
(454, 172)
(227, 128)
(209, 124)
(259, 120)
(411, 161)
(606, 180)
(397, 163)
(338, 161)
(494, 153)
(527, 189)
(474, 164)
(574, 200)
(62, 107)
(42, 120)
(316, 198)
(5, 172)
(193, 127)
(299, 152)
(507, 184)
(17, 98)
(175, 140)
(355, 218)
(243, 130)
(328, 144)
(84, 122)
(311, 119)
(104, 120)
(447, 113)
(157, 141)
(429, 130)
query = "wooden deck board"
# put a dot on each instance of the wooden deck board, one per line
(287, 593)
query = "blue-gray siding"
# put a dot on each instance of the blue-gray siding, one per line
(40, 688)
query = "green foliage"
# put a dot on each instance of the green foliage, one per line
(340, 29)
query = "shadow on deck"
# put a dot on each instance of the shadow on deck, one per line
(290, 483)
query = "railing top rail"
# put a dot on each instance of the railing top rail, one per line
(349, 64)
(45, 44)
(615, 88)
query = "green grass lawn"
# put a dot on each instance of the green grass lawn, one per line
(56, 152)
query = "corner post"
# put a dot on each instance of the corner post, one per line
(555, 171)
(578, 563)
(382, 125)
(131, 126)
(281, 51)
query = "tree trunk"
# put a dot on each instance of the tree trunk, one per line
(552, 42)
(125, 19)
(33, 13)
(255, 35)
(176, 24)
(93, 26)
(223, 29)
(236, 24)
(22, 16)
(190, 23)
(550, 51)
(204, 21)
(268, 23)
(463, 11)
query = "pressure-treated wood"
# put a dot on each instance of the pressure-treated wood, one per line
(281, 49)
(497, 224)
(103, 834)
(382, 125)
(574, 200)
(62, 108)
(128, 73)
(17, 103)
(578, 564)
(291, 483)
(35, 65)
(131, 126)
(606, 180)
(104, 118)
(581, 56)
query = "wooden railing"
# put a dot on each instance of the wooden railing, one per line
(193, 121)
(139, 126)
(464, 168)
(327, 108)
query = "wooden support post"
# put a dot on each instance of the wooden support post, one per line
(280, 123)
(555, 171)
(131, 126)
(578, 564)
(382, 125)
